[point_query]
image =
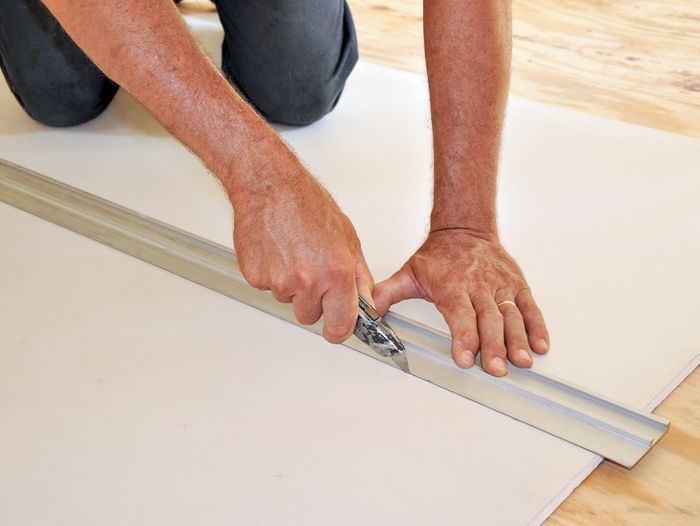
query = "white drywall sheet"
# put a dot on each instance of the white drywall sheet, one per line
(128, 395)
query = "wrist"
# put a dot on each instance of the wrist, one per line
(256, 165)
(479, 221)
(464, 196)
(465, 231)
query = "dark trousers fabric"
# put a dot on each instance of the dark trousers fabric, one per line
(289, 58)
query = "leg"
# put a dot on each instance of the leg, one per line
(55, 82)
(290, 58)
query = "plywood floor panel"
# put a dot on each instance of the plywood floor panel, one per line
(630, 60)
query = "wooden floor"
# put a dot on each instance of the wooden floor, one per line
(663, 489)
(631, 60)
(635, 61)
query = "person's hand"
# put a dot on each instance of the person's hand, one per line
(291, 238)
(468, 277)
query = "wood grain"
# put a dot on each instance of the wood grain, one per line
(664, 488)
(635, 61)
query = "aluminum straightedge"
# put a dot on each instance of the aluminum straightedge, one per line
(616, 432)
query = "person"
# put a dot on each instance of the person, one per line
(286, 61)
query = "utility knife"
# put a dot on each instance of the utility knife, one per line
(379, 336)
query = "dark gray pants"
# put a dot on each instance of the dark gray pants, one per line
(290, 58)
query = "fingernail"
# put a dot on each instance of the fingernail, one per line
(467, 358)
(498, 365)
(336, 331)
(524, 356)
(543, 345)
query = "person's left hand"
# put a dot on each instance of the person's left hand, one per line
(469, 277)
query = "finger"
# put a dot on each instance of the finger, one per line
(282, 297)
(400, 286)
(364, 279)
(515, 336)
(537, 333)
(490, 325)
(307, 309)
(340, 311)
(461, 319)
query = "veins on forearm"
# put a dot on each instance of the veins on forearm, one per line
(468, 60)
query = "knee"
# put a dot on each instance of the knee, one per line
(296, 104)
(293, 96)
(65, 104)
(51, 77)
(296, 76)
(62, 115)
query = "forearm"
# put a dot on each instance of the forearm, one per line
(468, 53)
(147, 49)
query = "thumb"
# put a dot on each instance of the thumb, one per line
(363, 277)
(401, 286)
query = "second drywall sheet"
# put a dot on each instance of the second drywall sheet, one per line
(132, 396)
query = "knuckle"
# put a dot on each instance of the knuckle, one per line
(459, 323)
(503, 292)
(538, 333)
(339, 271)
(254, 279)
(251, 273)
(516, 337)
(306, 313)
(532, 311)
(457, 303)
(493, 349)
(491, 314)
(304, 279)
(469, 316)
(480, 287)
(278, 284)
(468, 340)
(521, 287)
(521, 343)
(513, 316)
(536, 311)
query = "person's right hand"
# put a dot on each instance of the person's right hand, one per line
(292, 238)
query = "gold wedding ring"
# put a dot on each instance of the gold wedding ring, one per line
(508, 302)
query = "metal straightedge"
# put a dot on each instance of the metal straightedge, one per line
(616, 432)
